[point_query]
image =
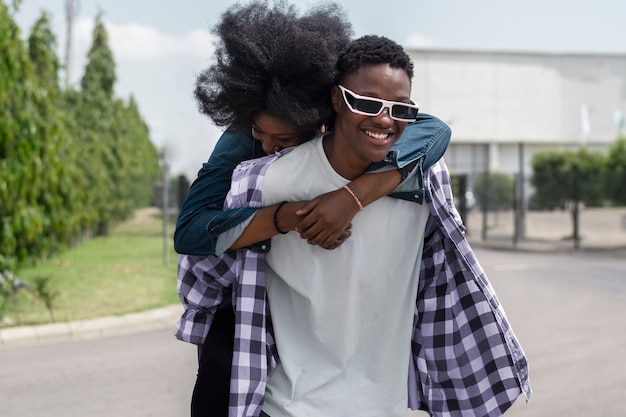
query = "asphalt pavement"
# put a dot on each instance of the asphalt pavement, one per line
(567, 306)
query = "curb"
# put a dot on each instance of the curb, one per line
(159, 318)
(545, 246)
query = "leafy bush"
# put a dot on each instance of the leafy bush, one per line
(616, 172)
(494, 190)
(561, 177)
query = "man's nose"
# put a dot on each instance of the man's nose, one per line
(384, 117)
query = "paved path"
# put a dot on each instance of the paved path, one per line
(142, 374)
(568, 310)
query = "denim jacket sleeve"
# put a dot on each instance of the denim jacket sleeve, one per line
(421, 145)
(202, 218)
(425, 139)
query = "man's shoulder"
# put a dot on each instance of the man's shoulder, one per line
(299, 153)
(294, 152)
(250, 173)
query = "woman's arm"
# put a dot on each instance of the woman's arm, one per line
(324, 221)
(202, 221)
(326, 216)
(202, 218)
(262, 225)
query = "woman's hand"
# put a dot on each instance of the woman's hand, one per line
(339, 241)
(327, 219)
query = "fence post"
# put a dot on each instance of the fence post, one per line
(576, 213)
(462, 181)
(520, 207)
(165, 208)
(485, 206)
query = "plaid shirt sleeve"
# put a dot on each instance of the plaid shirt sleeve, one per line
(254, 353)
(467, 358)
(204, 282)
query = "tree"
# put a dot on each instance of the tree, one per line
(99, 78)
(72, 163)
(570, 176)
(94, 116)
(569, 179)
(494, 190)
(137, 154)
(616, 172)
(57, 177)
(21, 221)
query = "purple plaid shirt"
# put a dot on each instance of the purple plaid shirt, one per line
(465, 361)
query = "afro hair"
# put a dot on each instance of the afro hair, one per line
(271, 59)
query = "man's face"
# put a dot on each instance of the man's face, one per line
(276, 135)
(365, 139)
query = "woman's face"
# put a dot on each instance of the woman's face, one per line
(276, 135)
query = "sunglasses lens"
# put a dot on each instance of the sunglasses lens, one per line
(403, 112)
(363, 105)
(368, 106)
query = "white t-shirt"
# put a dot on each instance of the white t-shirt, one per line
(342, 318)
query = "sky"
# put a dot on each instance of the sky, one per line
(160, 46)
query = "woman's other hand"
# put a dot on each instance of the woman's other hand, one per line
(327, 219)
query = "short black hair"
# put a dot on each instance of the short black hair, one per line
(271, 59)
(372, 50)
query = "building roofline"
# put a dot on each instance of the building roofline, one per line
(486, 51)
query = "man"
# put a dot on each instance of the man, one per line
(345, 322)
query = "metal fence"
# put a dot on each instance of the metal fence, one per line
(564, 226)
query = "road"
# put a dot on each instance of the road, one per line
(140, 375)
(568, 310)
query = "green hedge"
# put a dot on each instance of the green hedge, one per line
(72, 162)
(585, 176)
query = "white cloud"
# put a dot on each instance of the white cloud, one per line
(139, 42)
(159, 70)
(135, 41)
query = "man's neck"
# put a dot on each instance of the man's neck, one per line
(340, 158)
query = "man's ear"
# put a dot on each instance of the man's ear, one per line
(335, 98)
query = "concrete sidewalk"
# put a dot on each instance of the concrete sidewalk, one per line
(602, 231)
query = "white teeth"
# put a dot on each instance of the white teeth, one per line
(377, 135)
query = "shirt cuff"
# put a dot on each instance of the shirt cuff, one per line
(226, 239)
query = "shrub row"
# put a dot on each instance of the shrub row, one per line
(73, 161)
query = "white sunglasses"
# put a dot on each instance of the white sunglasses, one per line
(371, 106)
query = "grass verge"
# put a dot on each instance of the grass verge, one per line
(121, 273)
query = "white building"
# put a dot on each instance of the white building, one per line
(504, 106)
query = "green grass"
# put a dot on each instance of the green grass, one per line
(121, 273)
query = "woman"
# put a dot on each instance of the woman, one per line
(285, 74)
(271, 87)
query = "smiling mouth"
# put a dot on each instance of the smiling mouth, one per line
(379, 136)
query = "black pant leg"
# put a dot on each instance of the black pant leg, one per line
(212, 389)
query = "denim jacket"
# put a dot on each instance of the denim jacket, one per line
(203, 219)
